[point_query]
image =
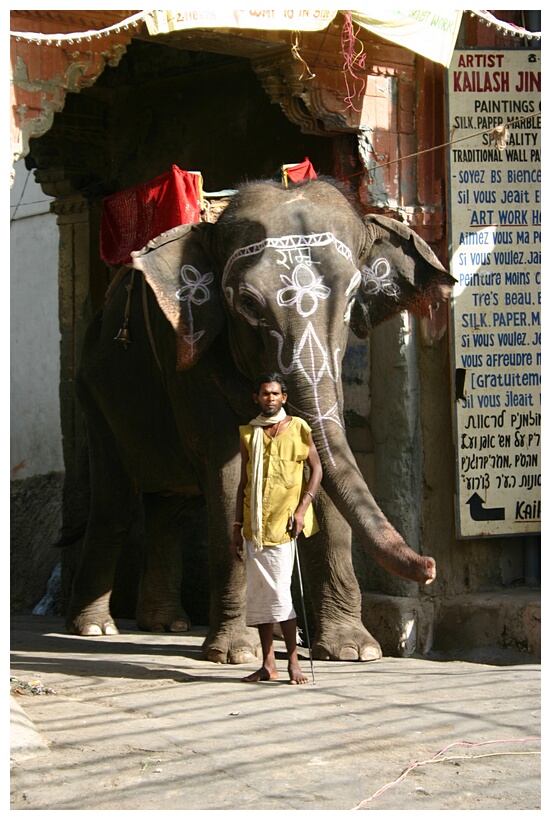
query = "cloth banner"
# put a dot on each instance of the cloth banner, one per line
(161, 22)
(432, 34)
(132, 217)
(298, 171)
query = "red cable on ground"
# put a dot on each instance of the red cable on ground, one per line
(438, 759)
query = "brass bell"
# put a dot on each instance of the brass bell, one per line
(124, 336)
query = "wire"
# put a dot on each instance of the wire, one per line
(437, 758)
(436, 147)
(21, 195)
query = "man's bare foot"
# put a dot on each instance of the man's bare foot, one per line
(295, 675)
(430, 565)
(261, 674)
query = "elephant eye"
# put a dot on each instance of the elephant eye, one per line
(251, 305)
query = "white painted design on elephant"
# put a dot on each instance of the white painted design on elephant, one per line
(352, 287)
(286, 245)
(376, 279)
(195, 284)
(303, 289)
(312, 360)
(195, 291)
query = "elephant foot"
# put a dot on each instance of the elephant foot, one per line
(163, 621)
(236, 644)
(88, 625)
(346, 643)
(179, 625)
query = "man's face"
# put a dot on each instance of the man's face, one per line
(270, 398)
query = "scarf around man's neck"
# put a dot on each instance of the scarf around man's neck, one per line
(257, 464)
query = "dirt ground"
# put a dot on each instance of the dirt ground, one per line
(140, 721)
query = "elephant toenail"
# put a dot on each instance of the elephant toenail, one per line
(90, 630)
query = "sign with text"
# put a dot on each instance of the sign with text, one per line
(494, 121)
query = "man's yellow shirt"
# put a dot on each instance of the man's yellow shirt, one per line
(283, 481)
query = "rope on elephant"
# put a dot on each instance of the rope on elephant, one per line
(148, 324)
(437, 758)
(114, 284)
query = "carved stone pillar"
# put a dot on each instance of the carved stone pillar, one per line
(81, 275)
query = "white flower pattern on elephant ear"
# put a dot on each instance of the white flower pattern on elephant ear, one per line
(192, 338)
(304, 286)
(377, 278)
(194, 291)
(195, 288)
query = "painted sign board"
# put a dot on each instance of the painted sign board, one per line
(494, 185)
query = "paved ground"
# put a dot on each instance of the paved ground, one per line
(140, 721)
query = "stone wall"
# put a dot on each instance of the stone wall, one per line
(35, 505)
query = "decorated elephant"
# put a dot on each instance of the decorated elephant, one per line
(274, 284)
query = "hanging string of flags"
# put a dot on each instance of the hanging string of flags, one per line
(80, 36)
(505, 28)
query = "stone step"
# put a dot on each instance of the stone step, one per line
(508, 621)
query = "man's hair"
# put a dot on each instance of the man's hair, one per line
(266, 378)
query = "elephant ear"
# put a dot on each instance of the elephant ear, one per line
(179, 270)
(399, 272)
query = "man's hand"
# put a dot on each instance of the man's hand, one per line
(295, 524)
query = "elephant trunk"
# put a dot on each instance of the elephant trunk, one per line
(347, 489)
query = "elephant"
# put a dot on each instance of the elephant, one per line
(274, 284)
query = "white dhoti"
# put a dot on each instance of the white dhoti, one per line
(269, 583)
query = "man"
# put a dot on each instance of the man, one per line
(273, 507)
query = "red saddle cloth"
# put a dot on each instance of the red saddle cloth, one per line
(132, 217)
(298, 171)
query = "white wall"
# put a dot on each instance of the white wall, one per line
(35, 436)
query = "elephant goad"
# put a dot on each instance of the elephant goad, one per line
(273, 285)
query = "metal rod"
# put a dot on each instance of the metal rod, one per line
(303, 603)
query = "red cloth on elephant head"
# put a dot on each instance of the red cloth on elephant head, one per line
(299, 171)
(132, 217)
